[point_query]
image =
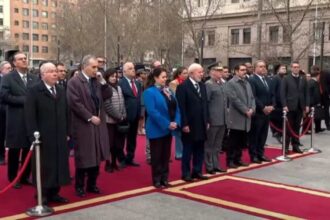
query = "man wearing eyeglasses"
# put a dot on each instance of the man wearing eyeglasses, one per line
(14, 89)
(101, 61)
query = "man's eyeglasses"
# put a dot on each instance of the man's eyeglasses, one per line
(22, 58)
(101, 61)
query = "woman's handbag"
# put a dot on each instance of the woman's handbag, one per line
(123, 127)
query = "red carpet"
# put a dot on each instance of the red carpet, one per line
(17, 201)
(279, 200)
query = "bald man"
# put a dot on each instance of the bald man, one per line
(132, 94)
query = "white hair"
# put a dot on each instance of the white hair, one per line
(193, 67)
(2, 64)
(46, 66)
(125, 67)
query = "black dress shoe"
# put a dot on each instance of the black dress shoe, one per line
(2, 161)
(199, 176)
(187, 179)
(178, 158)
(165, 183)
(296, 149)
(157, 185)
(58, 199)
(210, 172)
(241, 164)
(265, 159)
(80, 192)
(17, 186)
(132, 163)
(93, 189)
(232, 165)
(319, 130)
(255, 160)
(219, 170)
(122, 165)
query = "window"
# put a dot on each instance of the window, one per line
(16, 35)
(35, 37)
(246, 35)
(273, 34)
(1, 8)
(54, 26)
(16, 10)
(44, 49)
(317, 30)
(25, 48)
(211, 38)
(35, 2)
(25, 1)
(1, 21)
(234, 36)
(44, 14)
(26, 24)
(35, 49)
(234, 1)
(44, 26)
(44, 38)
(286, 35)
(53, 14)
(35, 13)
(45, 2)
(54, 3)
(25, 36)
(35, 25)
(25, 11)
(16, 23)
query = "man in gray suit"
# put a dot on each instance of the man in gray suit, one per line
(241, 107)
(216, 100)
(295, 101)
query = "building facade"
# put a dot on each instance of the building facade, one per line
(231, 33)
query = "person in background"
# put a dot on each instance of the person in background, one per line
(141, 76)
(179, 76)
(5, 68)
(116, 113)
(163, 119)
(62, 74)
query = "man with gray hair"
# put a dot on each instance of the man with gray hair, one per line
(132, 94)
(192, 100)
(89, 128)
(5, 68)
(46, 112)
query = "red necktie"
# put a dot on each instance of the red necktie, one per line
(134, 88)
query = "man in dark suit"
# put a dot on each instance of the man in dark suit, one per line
(263, 95)
(295, 101)
(192, 99)
(62, 77)
(13, 93)
(132, 94)
(46, 112)
(89, 128)
(5, 68)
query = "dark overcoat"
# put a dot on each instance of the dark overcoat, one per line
(92, 142)
(13, 94)
(48, 115)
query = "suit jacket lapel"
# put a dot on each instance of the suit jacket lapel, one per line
(192, 87)
(19, 80)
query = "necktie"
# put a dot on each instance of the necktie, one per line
(52, 89)
(198, 89)
(24, 79)
(265, 83)
(134, 88)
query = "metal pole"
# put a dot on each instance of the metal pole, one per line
(40, 209)
(284, 157)
(312, 149)
(315, 35)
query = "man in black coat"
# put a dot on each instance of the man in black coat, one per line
(263, 95)
(295, 101)
(132, 94)
(14, 88)
(46, 112)
(5, 68)
(192, 99)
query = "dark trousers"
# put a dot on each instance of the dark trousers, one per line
(160, 150)
(326, 103)
(131, 140)
(116, 141)
(50, 192)
(258, 135)
(194, 150)
(294, 119)
(92, 174)
(236, 142)
(2, 133)
(276, 117)
(13, 163)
